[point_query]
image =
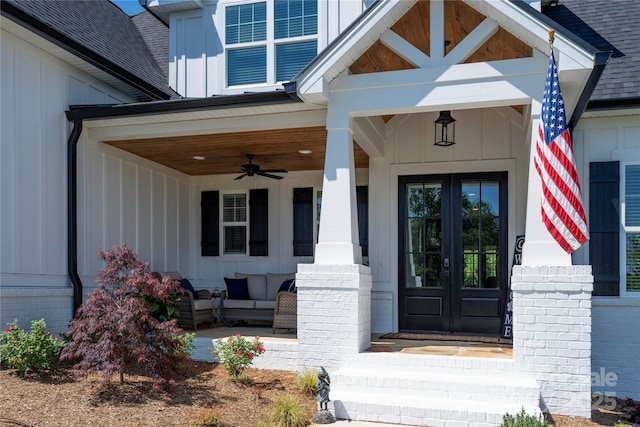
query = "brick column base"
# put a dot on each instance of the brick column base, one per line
(334, 313)
(552, 334)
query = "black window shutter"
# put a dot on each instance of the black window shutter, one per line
(604, 227)
(210, 228)
(362, 197)
(259, 222)
(303, 221)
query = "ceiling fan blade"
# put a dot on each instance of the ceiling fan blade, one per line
(268, 175)
(240, 177)
(274, 170)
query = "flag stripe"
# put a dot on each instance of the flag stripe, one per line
(561, 205)
(567, 187)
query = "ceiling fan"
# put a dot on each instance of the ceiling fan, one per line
(251, 169)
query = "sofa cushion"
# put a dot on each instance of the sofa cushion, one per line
(203, 304)
(287, 286)
(237, 288)
(257, 284)
(239, 303)
(187, 286)
(269, 305)
(274, 280)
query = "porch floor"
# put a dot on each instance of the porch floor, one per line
(378, 344)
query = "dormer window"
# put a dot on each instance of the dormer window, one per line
(269, 42)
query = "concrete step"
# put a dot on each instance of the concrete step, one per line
(431, 390)
(420, 411)
(434, 384)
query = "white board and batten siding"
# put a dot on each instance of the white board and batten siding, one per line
(615, 320)
(197, 66)
(36, 90)
(491, 139)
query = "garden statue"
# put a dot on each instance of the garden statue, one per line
(323, 416)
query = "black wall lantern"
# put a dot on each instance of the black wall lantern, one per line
(445, 132)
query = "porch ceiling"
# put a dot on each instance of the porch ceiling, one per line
(225, 152)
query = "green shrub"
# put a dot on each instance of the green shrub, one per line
(236, 353)
(523, 420)
(307, 381)
(287, 411)
(33, 351)
(209, 419)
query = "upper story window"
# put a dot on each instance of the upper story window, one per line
(270, 41)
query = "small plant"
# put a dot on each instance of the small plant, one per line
(236, 353)
(116, 332)
(33, 351)
(287, 411)
(207, 418)
(522, 419)
(307, 381)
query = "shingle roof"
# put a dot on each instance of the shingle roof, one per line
(102, 28)
(156, 36)
(609, 26)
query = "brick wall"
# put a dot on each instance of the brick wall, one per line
(334, 313)
(53, 304)
(615, 360)
(278, 355)
(552, 334)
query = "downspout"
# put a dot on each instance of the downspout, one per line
(72, 214)
(601, 59)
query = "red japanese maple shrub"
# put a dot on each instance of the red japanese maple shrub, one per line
(115, 331)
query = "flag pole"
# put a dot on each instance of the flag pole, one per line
(552, 36)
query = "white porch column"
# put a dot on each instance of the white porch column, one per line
(338, 241)
(334, 293)
(552, 334)
(540, 248)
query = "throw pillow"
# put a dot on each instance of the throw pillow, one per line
(237, 288)
(287, 286)
(186, 285)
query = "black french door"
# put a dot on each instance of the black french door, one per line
(452, 274)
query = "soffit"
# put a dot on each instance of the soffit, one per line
(225, 152)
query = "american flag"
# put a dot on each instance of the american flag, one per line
(562, 210)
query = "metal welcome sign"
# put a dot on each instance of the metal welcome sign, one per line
(507, 324)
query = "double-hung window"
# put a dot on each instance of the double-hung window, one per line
(234, 223)
(270, 41)
(631, 225)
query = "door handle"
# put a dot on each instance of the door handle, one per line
(445, 266)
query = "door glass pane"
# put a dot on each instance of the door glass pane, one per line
(490, 198)
(414, 267)
(423, 245)
(480, 208)
(470, 198)
(433, 235)
(470, 251)
(415, 238)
